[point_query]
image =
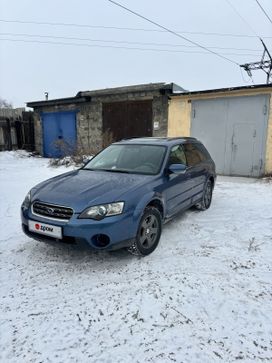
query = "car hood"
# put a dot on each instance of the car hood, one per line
(83, 188)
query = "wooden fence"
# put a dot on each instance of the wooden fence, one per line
(17, 131)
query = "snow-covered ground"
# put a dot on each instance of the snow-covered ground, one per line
(205, 294)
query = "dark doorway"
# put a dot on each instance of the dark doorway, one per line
(127, 119)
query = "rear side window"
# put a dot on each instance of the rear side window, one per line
(203, 151)
(193, 154)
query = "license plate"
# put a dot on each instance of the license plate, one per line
(46, 229)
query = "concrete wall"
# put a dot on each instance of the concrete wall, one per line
(90, 118)
(160, 115)
(89, 126)
(38, 133)
(179, 115)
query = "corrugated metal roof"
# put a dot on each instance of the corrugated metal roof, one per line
(227, 89)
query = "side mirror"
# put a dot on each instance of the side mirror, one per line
(177, 168)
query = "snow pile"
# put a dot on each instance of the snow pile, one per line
(203, 296)
(76, 161)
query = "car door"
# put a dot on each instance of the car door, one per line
(197, 169)
(177, 187)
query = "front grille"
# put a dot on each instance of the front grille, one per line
(52, 211)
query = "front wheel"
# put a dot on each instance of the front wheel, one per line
(149, 233)
(207, 197)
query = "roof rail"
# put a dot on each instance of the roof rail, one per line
(131, 137)
(181, 137)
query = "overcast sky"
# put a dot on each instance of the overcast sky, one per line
(28, 68)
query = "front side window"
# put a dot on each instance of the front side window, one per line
(128, 158)
(177, 155)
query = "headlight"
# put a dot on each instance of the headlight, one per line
(27, 201)
(98, 212)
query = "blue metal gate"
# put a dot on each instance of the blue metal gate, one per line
(59, 133)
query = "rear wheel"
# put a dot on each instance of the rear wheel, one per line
(149, 233)
(207, 197)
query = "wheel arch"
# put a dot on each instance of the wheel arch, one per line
(212, 179)
(158, 204)
(150, 200)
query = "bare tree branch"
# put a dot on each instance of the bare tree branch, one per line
(4, 103)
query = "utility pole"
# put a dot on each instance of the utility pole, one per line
(265, 65)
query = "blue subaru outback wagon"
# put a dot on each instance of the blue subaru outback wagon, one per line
(121, 198)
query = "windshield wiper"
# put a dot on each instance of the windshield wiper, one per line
(109, 170)
(116, 171)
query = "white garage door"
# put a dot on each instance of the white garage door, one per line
(234, 131)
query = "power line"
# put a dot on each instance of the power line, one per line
(173, 32)
(264, 65)
(121, 41)
(115, 47)
(265, 13)
(241, 17)
(244, 80)
(128, 28)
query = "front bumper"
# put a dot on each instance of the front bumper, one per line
(116, 231)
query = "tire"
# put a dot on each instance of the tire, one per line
(207, 197)
(146, 241)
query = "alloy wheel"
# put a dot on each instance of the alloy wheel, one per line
(148, 231)
(208, 195)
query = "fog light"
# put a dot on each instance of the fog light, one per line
(101, 240)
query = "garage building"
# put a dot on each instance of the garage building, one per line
(235, 124)
(92, 119)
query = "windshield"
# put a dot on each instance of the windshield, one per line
(136, 159)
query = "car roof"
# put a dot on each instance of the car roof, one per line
(165, 141)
